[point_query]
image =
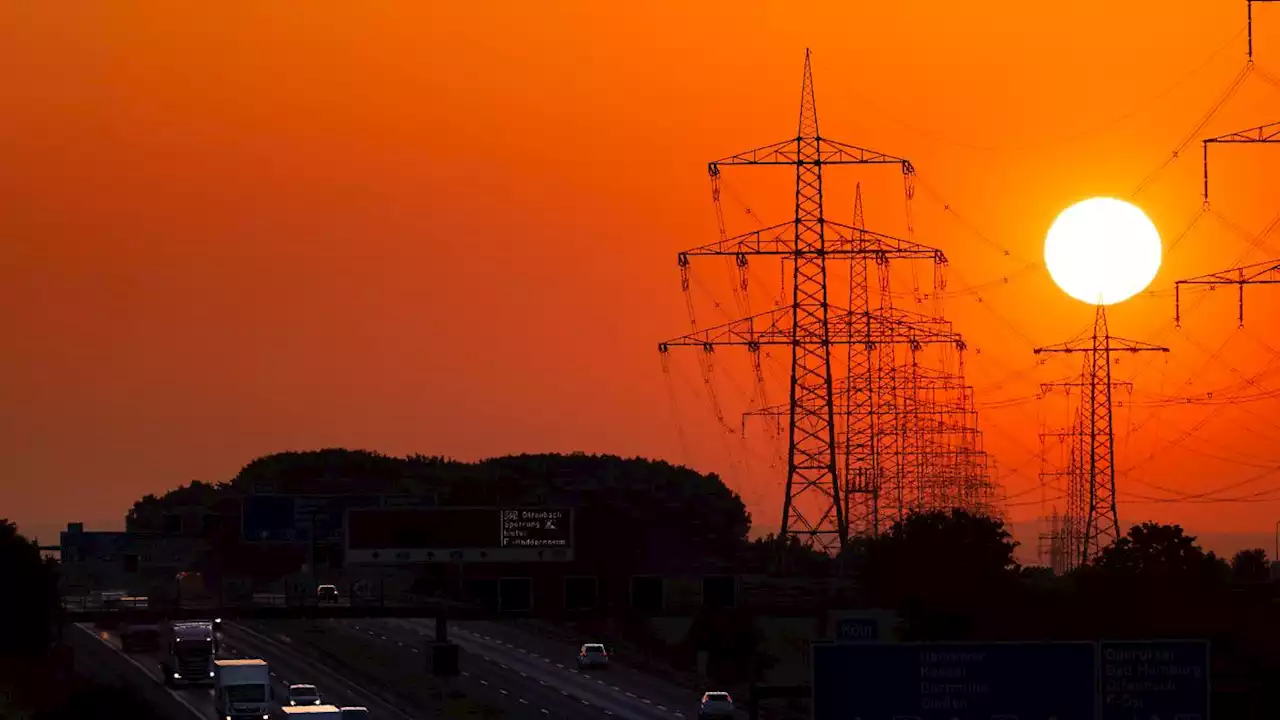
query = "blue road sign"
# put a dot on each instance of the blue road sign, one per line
(1154, 680)
(291, 518)
(269, 518)
(954, 681)
(857, 629)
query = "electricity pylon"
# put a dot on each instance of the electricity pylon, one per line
(1099, 521)
(1075, 526)
(1263, 273)
(812, 505)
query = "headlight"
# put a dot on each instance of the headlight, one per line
(293, 702)
(317, 702)
(210, 674)
(176, 676)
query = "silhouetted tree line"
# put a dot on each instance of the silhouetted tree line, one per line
(635, 511)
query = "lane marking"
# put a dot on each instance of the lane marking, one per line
(523, 701)
(176, 696)
(504, 692)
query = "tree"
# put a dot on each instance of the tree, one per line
(1251, 566)
(632, 512)
(1154, 556)
(939, 564)
(771, 553)
(30, 603)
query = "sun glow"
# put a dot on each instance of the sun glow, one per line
(1102, 251)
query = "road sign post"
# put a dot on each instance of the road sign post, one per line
(459, 535)
(1164, 679)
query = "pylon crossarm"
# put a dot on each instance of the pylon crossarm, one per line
(774, 327)
(842, 241)
(1115, 385)
(1115, 344)
(1262, 134)
(1263, 273)
(888, 326)
(830, 152)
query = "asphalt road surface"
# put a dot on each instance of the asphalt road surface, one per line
(501, 664)
(287, 667)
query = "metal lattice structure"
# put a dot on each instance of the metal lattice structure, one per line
(817, 503)
(1263, 273)
(1269, 133)
(1092, 520)
(1074, 527)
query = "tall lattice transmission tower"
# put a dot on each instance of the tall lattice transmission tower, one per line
(1261, 273)
(822, 497)
(1092, 520)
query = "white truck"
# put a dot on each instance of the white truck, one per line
(189, 652)
(313, 712)
(242, 690)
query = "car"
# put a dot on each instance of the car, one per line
(715, 705)
(354, 713)
(304, 695)
(327, 593)
(593, 655)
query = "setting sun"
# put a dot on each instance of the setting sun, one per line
(1102, 251)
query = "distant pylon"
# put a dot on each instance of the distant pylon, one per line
(814, 502)
(1099, 523)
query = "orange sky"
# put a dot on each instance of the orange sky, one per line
(441, 228)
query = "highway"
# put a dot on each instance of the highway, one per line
(287, 666)
(526, 675)
(534, 672)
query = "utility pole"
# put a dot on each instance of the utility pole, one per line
(1098, 516)
(813, 504)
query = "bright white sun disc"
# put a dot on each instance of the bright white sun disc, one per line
(1102, 251)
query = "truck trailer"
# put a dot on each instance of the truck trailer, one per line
(314, 712)
(242, 689)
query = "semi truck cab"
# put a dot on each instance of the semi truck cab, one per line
(190, 649)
